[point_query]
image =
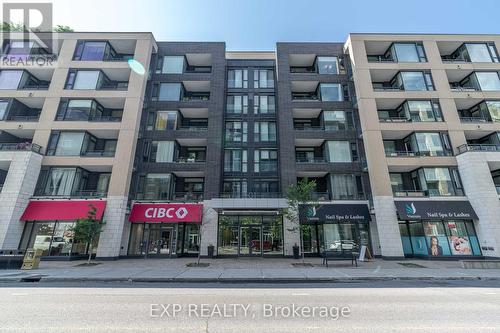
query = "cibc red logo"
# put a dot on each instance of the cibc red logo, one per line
(181, 212)
(166, 212)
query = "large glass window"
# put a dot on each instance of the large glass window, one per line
(86, 80)
(338, 151)
(264, 131)
(488, 81)
(235, 188)
(93, 51)
(263, 78)
(437, 181)
(70, 143)
(10, 79)
(335, 120)
(331, 92)
(235, 160)
(327, 65)
(494, 109)
(409, 52)
(78, 109)
(61, 181)
(478, 52)
(416, 81)
(265, 160)
(428, 143)
(3, 108)
(166, 120)
(423, 111)
(173, 65)
(158, 186)
(237, 104)
(170, 92)
(237, 78)
(236, 131)
(344, 187)
(263, 104)
(162, 151)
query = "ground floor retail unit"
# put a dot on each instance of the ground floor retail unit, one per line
(428, 229)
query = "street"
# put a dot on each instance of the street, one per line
(394, 306)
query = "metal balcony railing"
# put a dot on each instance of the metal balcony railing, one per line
(251, 195)
(311, 160)
(475, 120)
(73, 194)
(21, 146)
(477, 147)
(98, 153)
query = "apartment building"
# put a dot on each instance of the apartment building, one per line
(428, 107)
(186, 148)
(68, 132)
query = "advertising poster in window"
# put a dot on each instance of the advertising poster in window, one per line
(460, 245)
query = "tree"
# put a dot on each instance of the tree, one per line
(88, 229)
(62, 28)
(298, 194)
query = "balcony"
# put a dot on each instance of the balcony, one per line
(173, 197)
(406, 153)
(250, 195)
(193, 128)
(458, 52)
(305, 97)
(478, 147)
(21, 146)
(93, 193)
(315, 160)
(98, 153)
(411, 193)
(380, 58)
(477, 119)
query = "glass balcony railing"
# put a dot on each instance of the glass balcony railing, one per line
(173, 197)
(250, 195)
(311, 160)
(93, 193)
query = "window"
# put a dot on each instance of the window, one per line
(409, 52)
(173, 65)
(479, 52)
(236, 131)
(338, 151)
(170, 92)
(78, 109)
(423, 111)
(263, 78)
(60, 181)
(488, 81)
(428, 143)
(396, 180)
(235, 160)
(335, 120)
(4, 104)
(263, 104)
(10, 79)
(235, 188)
(162, 151)
(327, 65)
(69, 143)
(437, 181)
(331, 92)
(265, 160)
(345, 187)
(86, 80)
(266, 187)
(494, 110)
(417, 81)
(93, 51)
(237, 78)
(165, 120)
(264, 131)
(237, 104)
(158, 186)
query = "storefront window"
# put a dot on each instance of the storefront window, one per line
(191, 238)
(228, 235)
(135, 245)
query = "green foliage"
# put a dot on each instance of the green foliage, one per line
(297, 194)
(88, 229)
(63, 28)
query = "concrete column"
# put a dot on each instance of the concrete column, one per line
(387, 227)
(374, 237)
(208, 228)
(480, 189)
(110, 239)
(19, 186)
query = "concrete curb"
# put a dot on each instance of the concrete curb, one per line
(49, 279)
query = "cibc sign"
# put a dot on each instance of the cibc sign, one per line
(166, 212)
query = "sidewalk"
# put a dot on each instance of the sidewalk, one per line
(247, 270)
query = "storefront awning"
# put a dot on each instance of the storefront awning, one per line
(435, 210)
(166, 212)
(62, 210)
(331, 213)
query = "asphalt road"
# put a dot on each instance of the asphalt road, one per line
(413, 306)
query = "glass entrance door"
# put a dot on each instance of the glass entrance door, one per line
(250, 240)
(159, 242)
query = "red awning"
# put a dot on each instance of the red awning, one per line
(46, 210)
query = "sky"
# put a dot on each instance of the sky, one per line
(259, 24)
